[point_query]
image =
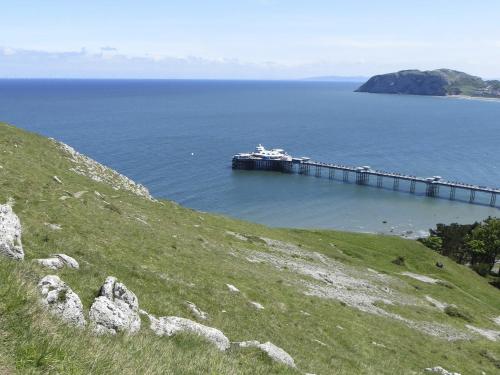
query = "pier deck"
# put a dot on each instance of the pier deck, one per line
(363, 175)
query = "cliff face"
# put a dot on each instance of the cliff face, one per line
(439, 82)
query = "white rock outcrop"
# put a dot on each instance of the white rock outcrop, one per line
(490, 334)
(274, 352)
(85, 166)
(172, 325)
(58, 261)
(61, 300)
(423, 278)
(116, 309)
(10, 233)
(440, 370)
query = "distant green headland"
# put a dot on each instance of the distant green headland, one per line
(440, 82)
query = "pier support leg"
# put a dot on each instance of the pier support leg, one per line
(472, 196)
(493, 199)
(432, 190)
(362, 178)
(412, 186)
(379, 181)
(331, 173)
(318, 171)
(395, 184)
(452, 192)
(345, 176)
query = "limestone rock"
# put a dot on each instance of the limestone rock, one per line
(440, 370)
(10, 233)
(61, 300)
(58, 261)
(68, 261)
(116, 309)
(172, 325)
(232, 288)
(202, 315)
(490, 334)
(274, 352)
(257, 305)
(52, 263)
(53, 226)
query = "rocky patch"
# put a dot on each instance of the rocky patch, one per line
(116, 309)
(10, 233)
(88, 167)
(437, 304)
(440, 370)
(61, 300)
(172, 325)
(490, 334)
(274, 352)
(198, 313)
(365, 291)
(58, 261)
(423, 278)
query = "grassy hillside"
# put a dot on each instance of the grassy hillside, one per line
(167, 254)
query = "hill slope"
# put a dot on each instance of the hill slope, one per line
(440, 82)
(334, 301)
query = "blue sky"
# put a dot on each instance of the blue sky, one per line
(253, 39)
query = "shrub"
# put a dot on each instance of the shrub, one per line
(482, 269)
(455, 312)
(400, 261)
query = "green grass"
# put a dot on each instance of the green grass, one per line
(183, 255)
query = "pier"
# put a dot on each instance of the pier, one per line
(435, 187)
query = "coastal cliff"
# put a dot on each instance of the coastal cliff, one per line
(440, 82)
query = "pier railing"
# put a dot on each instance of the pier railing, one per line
(367, 176)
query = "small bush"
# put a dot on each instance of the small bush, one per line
(495, 283)
(446, 284)
(455, 312)
(482, 269)
(400, 261)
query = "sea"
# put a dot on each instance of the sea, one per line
(177, 137)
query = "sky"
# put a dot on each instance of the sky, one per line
(246, 39)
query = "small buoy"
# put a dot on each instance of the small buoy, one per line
(192, 153)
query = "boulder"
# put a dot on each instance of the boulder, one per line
(274, 352)
(172, 325)
(116, 309)
(58, 261)
(61, 300)
(440, 370)
(10, 233)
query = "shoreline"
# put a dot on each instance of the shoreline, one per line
(467, 97)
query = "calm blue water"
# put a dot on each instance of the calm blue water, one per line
(177, 138)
